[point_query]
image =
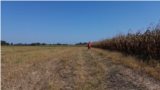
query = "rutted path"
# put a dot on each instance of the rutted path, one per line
(79, 69)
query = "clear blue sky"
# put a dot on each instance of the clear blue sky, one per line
(73, 21)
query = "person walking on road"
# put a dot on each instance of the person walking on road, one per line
(89, 45)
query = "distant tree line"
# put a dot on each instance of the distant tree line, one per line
(37, 44)
(4, 43)
(80, 43)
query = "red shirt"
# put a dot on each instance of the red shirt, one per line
(89, 44)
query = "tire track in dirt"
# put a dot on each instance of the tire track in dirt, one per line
(118, 77)
(114, 80)
(73, 71)
(79, 71)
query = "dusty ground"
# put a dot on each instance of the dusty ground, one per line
(70, 68)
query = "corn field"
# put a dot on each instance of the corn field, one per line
(143, 45)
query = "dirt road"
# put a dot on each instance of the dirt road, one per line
(75, 69)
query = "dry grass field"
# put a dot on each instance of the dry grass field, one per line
(74, 68)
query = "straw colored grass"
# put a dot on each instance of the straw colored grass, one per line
(73, 68)
(152, 67)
